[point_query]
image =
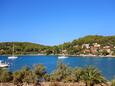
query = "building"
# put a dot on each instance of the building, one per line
(86, 46)
(96, 45)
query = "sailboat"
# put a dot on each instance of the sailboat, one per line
(62, 56)
(13, 56)
(3, 65)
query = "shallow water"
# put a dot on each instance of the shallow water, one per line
(106, 65)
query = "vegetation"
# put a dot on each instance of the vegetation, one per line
(63, 73)
(70, 48)
(92, 76)
(5, 75)
(113, 82)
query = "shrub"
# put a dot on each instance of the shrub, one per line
(93, 76)
(113, 82)
(5, 75)
(61, 73)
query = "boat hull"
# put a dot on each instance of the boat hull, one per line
(12, 57)
(3, 66)
(62, 57)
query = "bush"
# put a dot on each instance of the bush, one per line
(61, 73)
(93, 76)
(27, 76)
(17, 77)
(113, 82)
(39, 73)
(5, 75)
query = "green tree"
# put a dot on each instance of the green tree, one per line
(93, 76)
(61, 73)
(27, 76)
(5, 75)
(113, 82)
(39, 73)
(17, 78)
(104, 52)
(78, 74)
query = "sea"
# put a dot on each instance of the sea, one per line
(105, 64)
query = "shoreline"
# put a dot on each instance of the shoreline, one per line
(93, 56)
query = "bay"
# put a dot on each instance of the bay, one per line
(105, 64)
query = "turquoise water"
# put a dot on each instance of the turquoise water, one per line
(106, 65)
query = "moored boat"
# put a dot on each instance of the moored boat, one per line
(12, 57)
(62, 57)
(3, 65)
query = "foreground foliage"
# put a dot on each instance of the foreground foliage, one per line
(63, 73)
(113, 82)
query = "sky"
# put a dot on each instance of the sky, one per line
(52, 22)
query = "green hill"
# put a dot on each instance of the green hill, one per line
(104, 40)
(21, 48)
(106, 46)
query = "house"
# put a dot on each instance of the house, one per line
(93, 50)
(106, 47)
(86, 46)
(96, 45)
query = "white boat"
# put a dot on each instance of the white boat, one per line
(12, 57)
(62, 57)
(3, 65)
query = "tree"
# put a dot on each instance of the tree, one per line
(39, 73)
(78, 74)
(104, 52)
(61, 73)
(27, 75)
(56, 50)
(5, 75)
(113, 82)
(93, 76)
(17, 78)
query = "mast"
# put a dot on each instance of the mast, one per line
(62, 49)
(13, 49)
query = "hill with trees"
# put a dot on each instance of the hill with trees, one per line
(88, 45)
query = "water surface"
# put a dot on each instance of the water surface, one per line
(106, 65)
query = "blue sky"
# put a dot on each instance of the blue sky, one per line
(52, 22)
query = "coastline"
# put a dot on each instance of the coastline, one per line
(81, 55)
(95, 56)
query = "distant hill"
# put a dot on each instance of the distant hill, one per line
(104, 40)
(106, 45)
(21, 48)
(84, 45)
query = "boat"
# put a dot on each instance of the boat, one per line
(3, 65)
(13, 56)
(63, 56)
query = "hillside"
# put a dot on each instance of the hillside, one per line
(88, 45)
(21, 48)
(91, 44)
